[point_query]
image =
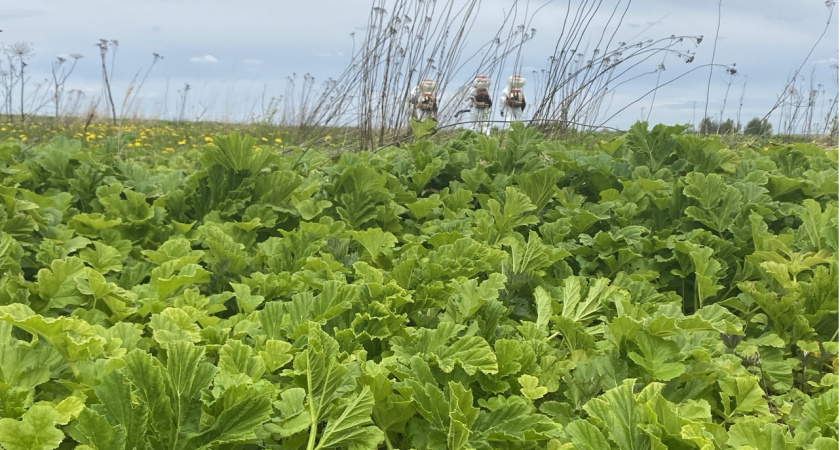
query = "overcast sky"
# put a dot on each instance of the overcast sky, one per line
(235, 55)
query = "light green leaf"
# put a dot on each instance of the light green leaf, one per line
(349, 428)
(98, 434)
(618, 410)
(57, 284)
(187, 374)
(236, 357)
(544, 310)
(104, 258)
(115, 395)
(146, 373)
(74, 339)
(173, 325)
(35, 431)
(756, 434)
(530, 387)
(656, 352)
(747, 394)
(276, 354)
(820, 412)
(472, 353)
(237, 414)
(245, 299)
(587, 436)
(375, 241)
(310, 208)
(516, 212)
(166, 279)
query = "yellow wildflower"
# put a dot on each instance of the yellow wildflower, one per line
(182, 142)
(278, 140)
(328, 138)
(208, 139)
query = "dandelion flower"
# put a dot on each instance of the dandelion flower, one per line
(278, 140)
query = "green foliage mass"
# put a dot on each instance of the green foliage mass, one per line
(653, 291)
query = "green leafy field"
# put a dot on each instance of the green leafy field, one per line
(660, 291)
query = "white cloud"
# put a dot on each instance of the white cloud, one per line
(204, 59)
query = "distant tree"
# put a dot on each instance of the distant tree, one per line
(728, 127)
(759, 127)
(707, 126)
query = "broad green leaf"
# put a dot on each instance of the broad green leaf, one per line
(293, 417)
(237, 415)
(472, 353)
(423, 206)
(115, 397)
(74, 339)
(718, 202)
(236, 357)
(245, 299)
(35, 431)
(746, 393)
(544, 310)
(530, 387)
(322, 373)
(104, 258)
(755, 434)
(515, 213)
(375, 241)
(618, 410)
(511, 421)
(656, 352)
(349, 428)
(174, 249)
(310, 208)
(11, 253)
(57, 284)
(187, 375)
(97, 433)
(173, 325)
(587, 436)
(69, 408)
(276, 354)
(541, 185)
(166, 279)
(462, 415)
(820, 413)
(146, 373)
